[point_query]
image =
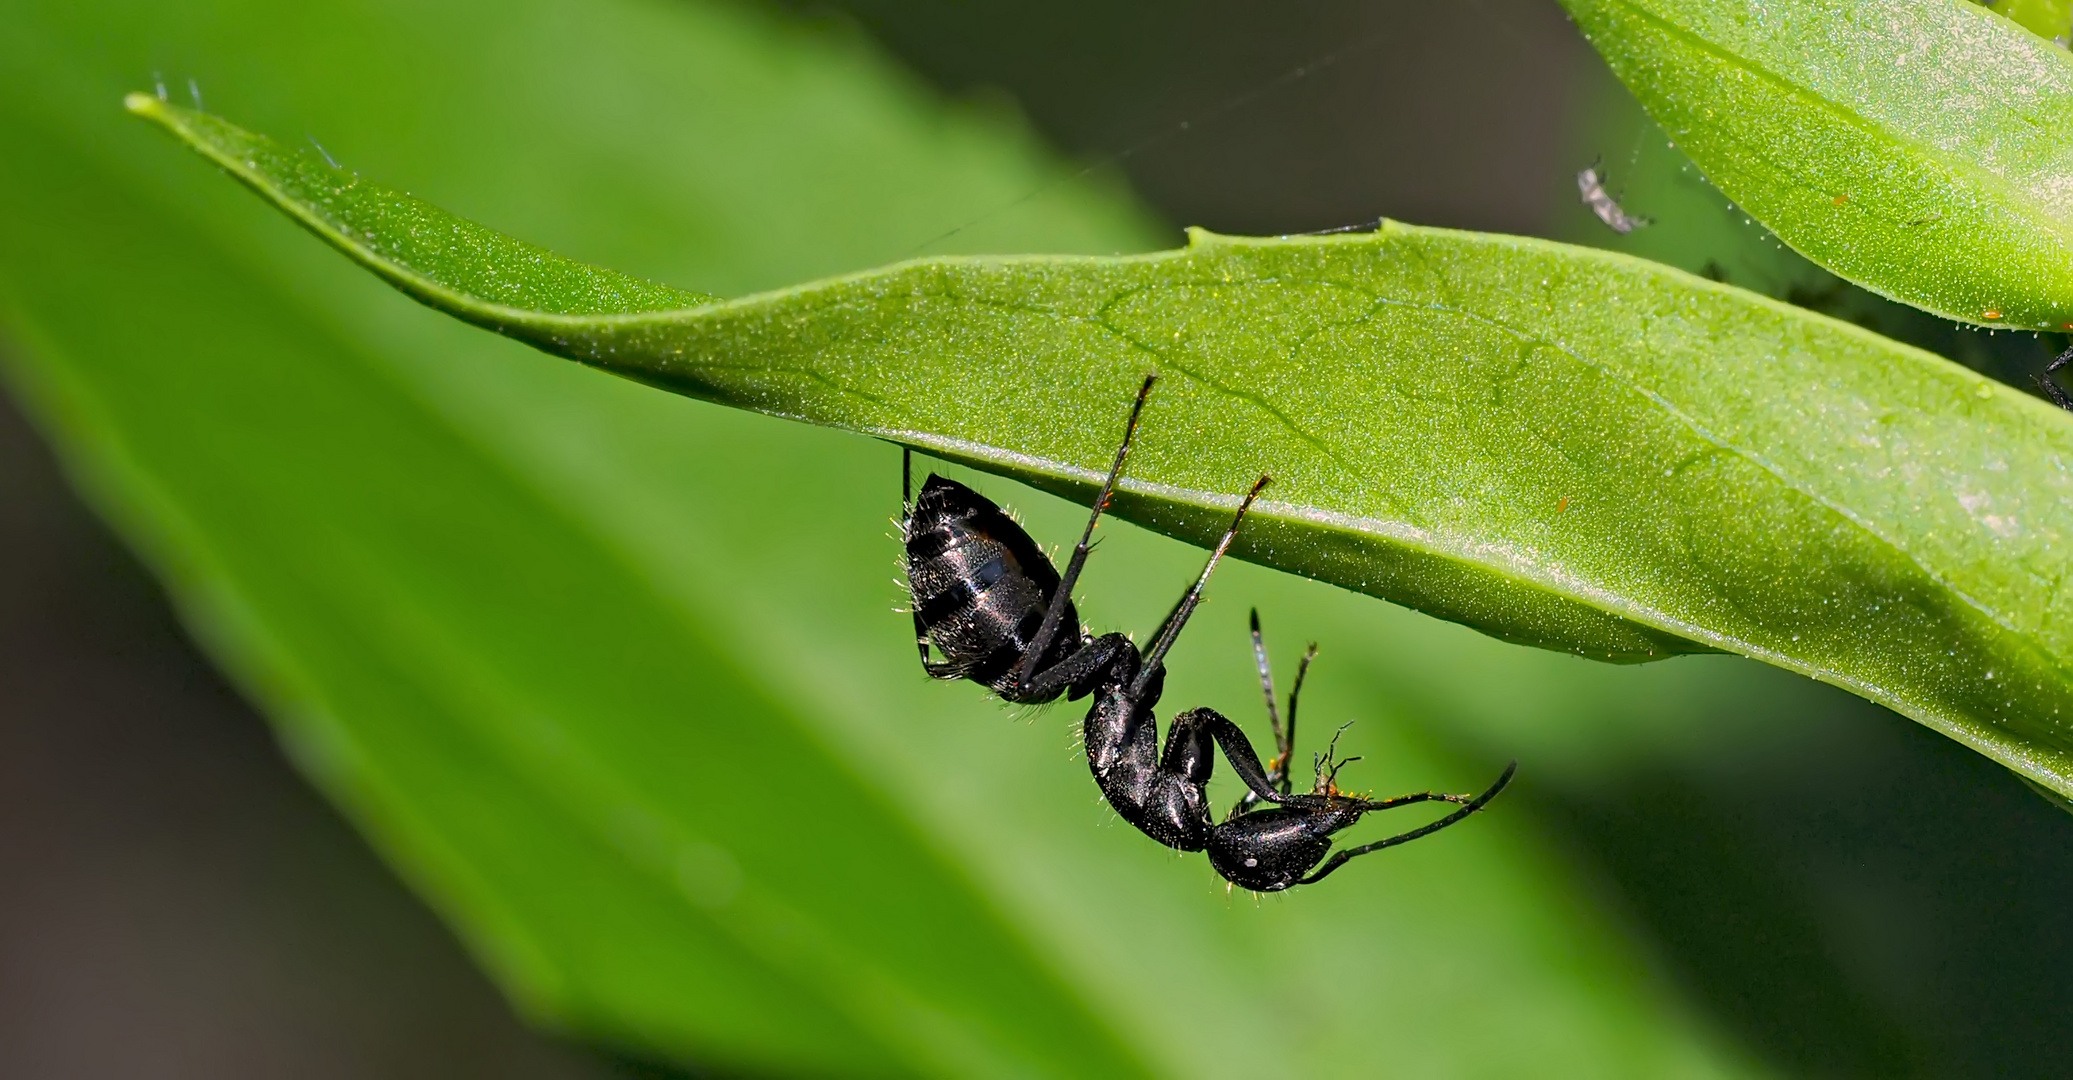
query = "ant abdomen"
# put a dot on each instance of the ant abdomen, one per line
(980, 588)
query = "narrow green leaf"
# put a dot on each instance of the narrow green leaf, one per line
(484, 276)
(1559, 446)
(387, 231)
(1915, 147)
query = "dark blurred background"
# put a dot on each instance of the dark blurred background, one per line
(1877, 901)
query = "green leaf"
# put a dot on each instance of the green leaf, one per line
(558, 642)
(480, 639)
(555, 303)
(1548, 443)
(1915, 147)
(2048, 19)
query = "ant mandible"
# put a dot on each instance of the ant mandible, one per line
(1000, 614)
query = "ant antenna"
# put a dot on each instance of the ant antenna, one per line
(1339, 859)
(1041, 643)
(1169, 631)
(1259, 656)
(1302, 669)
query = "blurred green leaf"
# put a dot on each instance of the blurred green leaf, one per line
(2048, 19)
(1915, 147)
(560, 643)
(494, 680)
(1540, 441)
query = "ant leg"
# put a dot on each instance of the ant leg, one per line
(2051, 387)
(906, 477)
(1047, 631)
(921, 642)
(1259, 656)
(1284, 739)
(1187, 752)
(1302, 669)
(1341, 858)
(1076, 673)
(1169, 631)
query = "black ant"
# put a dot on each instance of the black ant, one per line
(1000, 614)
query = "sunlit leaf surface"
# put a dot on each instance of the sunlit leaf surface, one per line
(1548, 443)
(1915, 147)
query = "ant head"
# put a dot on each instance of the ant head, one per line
(1272, 849)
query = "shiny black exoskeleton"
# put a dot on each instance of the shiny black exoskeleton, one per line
(1165, 794)
(989, 601)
